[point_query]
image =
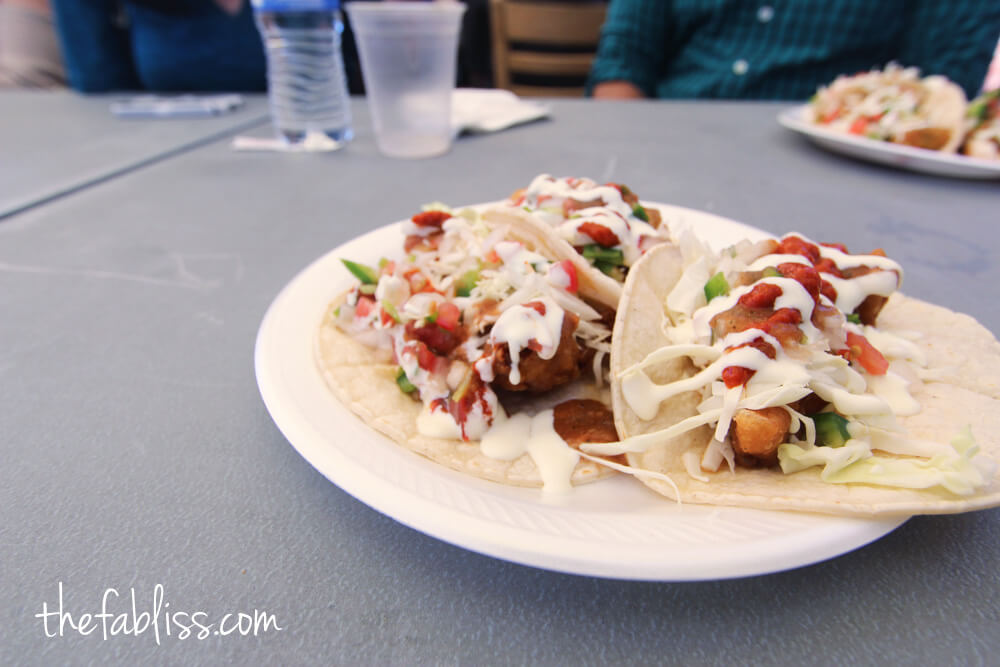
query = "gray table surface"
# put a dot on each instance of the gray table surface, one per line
(137, 453)
(54, 143)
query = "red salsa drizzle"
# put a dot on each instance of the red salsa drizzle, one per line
(463, 400)
(734, 376)
(752, 308)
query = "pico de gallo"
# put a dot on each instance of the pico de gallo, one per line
(472, 315)
(606, 224)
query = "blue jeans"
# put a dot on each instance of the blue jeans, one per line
(109, 46)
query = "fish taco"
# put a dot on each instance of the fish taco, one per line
(983, 123)
(791, 375)
(482, 346)
(895, 105)
(604, 226)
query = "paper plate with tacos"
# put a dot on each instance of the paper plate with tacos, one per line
(454, 371)
(897, 117)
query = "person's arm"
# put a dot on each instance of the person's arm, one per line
(633, 50)
(956, 39)
(95, 45)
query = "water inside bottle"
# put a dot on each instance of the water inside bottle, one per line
(307, 87)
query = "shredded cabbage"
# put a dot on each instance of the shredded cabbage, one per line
(959, 471)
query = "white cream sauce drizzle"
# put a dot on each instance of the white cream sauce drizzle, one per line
(437, 424)
(546, 188)
(537, 437)
(847, 261)
(519, 325)
(852, 291)
(778, 258)
(545, 196)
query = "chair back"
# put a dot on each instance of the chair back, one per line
(551, 45)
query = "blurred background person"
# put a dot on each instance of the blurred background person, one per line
(993, 75)
(775, 49)
(160, 45)
(201, 46)
(29, 51)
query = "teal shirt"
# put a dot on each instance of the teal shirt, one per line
(785, 49)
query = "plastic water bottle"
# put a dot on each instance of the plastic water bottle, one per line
(307, 87)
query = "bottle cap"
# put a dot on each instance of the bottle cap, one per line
(295, 5)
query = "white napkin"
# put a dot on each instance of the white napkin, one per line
(314, 143)
(480, 110)
(473, 110)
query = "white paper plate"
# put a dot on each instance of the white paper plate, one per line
(612, 528)
(895, 155)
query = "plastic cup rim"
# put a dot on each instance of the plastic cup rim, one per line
(399, 7)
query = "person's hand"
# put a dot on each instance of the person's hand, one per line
(617, 90)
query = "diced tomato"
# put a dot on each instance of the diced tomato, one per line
(601, 235)
(386, 319)
(447, 315)
(861, 124)
(418, 282)
(430, 218)
(567, 268)
(858, 126)
(388, 268)
(425, 358)
(492, 257)
(364, 306)
(866, 354)
(438, 339)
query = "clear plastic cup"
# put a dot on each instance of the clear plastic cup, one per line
(408, 53)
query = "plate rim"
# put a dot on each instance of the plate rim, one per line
(829, 537)
(907, 157)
